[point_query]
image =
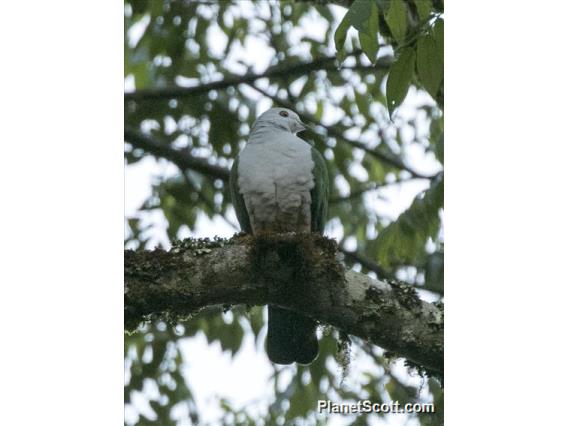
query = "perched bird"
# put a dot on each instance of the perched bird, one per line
(279, 183)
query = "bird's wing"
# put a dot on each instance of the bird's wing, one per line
(319, 193)
(238, 200)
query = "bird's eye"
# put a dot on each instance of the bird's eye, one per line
(283, 113)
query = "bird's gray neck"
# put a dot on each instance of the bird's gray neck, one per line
(261, 130)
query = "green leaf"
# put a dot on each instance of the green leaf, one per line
(361, 13)
(437, 138)
(157, 8)
(364, 16)
(232, 337)
(139, 6)
(325, 12)
(434, 272)
(362, 100)
(404, 240)
(438, 33)
(370, 46)
(396, 19)
(399, 78)
(256, 320)
(439, 149)
(430, 60)
(376, 169)
(319, 111)
(423, 7)
(340, 36)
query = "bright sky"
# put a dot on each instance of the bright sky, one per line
(244, 380)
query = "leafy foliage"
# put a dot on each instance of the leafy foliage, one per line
(400, 78)
(403, 241)
(430, 58)
(387, 53)
(416, 32)
(396, 20)
(153, 360)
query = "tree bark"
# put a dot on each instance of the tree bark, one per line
(301, 272)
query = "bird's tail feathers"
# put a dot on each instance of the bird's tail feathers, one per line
(291, 337)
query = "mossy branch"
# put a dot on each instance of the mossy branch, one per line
(297, 271)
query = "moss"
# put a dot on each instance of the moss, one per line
(390, 356)
(343, 354)
(198, 246)
(436, 320)
(159, 281)
(375, 295)
(291, 262)
(406, 295)
(145, 272)
(424, 372)
(379, 303)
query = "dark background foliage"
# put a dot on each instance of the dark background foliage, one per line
(371, 82)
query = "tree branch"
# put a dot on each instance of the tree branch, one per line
(183, 159)
(299, 272)
(277, 71)
(345, 3)
(383, 274)
(366, 263)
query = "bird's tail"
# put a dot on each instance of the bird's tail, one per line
(291, 337)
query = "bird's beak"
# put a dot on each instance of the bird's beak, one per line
(304, 126)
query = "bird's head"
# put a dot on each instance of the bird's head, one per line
(282, 118)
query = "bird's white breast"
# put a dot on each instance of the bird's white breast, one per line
(275, 178)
